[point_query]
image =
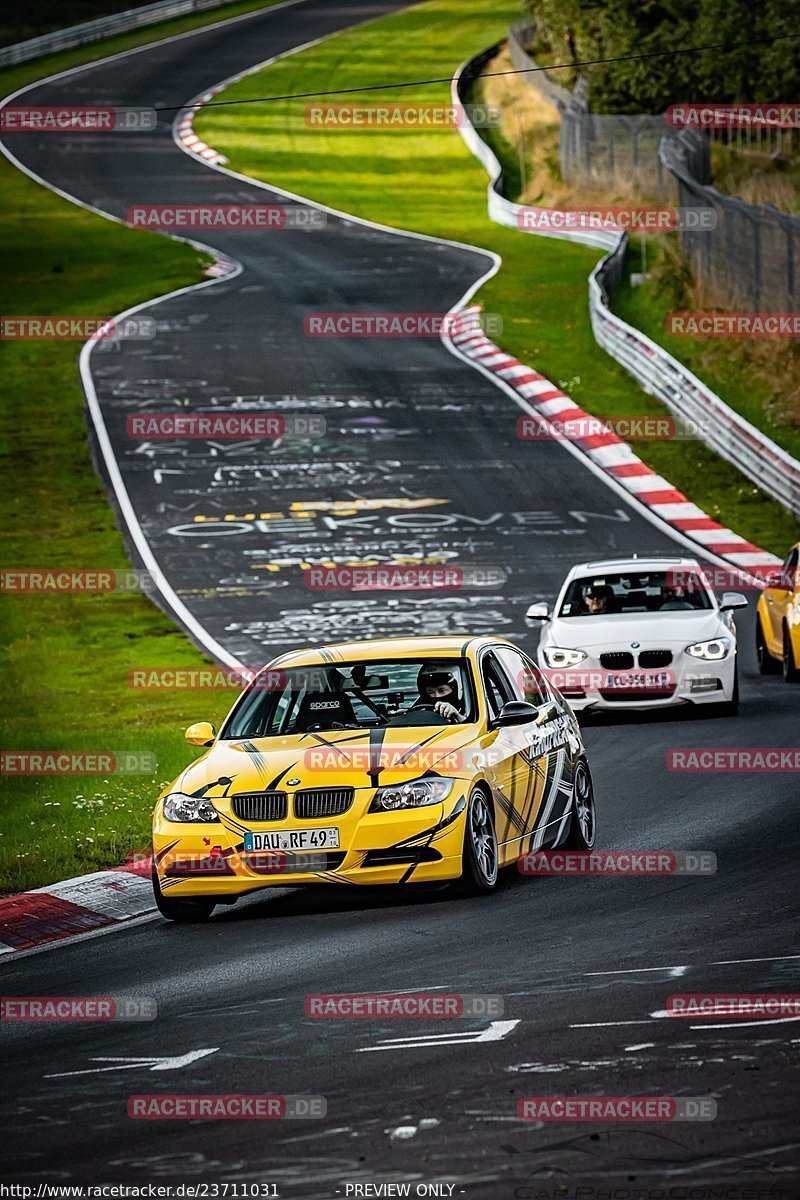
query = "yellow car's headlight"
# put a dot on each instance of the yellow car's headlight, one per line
(180, 807)
(712, 651)
(414, 794)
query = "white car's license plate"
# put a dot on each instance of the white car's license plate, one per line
(293, 839)
(638, 681)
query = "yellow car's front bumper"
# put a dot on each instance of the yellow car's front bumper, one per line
(418, 845)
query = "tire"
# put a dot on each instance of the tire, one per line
(480, 858)
(583, 823)
(188, 911)
(791, 671)
(767, 665)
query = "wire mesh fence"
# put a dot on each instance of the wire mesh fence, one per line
(750, 255)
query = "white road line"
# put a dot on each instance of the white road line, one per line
(638, 970)
(495, 1032)
(153, 1063)
(607, 1024)
(727, 962)
(735, 1023)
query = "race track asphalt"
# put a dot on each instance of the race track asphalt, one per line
(581, 964)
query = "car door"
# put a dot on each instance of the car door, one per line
(502, 749)
(549, 754)
(778, 601)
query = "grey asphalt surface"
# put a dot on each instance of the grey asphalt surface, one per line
(572, 958)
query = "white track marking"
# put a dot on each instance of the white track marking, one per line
(607, 1024)
(727, 962)
(638, 970)
(495, 1032)
(153, 1063)
(735, 1023)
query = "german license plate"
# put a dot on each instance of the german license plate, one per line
(293, 839)
(647, 681)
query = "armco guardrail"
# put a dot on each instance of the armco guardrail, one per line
(661, 375)
(501, 210)
(102, 27)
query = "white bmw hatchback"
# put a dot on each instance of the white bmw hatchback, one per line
(639, 633)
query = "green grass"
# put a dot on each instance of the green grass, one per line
(428, 182)
(65, 659)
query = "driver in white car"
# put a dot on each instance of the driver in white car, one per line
(598, 599)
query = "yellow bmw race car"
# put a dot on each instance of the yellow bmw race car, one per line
(415, 760)
(778, 620)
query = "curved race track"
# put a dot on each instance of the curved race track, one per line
(581, 964)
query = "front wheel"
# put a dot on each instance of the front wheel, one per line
(583, 822)
(791, 672)
(190, 910)
(480, 858)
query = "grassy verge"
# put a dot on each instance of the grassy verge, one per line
(428, 181)
(65, 658)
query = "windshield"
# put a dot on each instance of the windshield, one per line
(357, 695)
(671, 590)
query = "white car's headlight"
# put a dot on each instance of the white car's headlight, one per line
(712, 651)
(180, 807)
(558, 656)
(413, 794)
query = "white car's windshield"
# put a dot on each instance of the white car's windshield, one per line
(670, 590)
(357, 695)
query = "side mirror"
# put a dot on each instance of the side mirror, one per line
(516, 712)
(732, 600)
(201, 734)
(538, 612)
(548, 712)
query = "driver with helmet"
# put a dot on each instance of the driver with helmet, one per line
(438, 689)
